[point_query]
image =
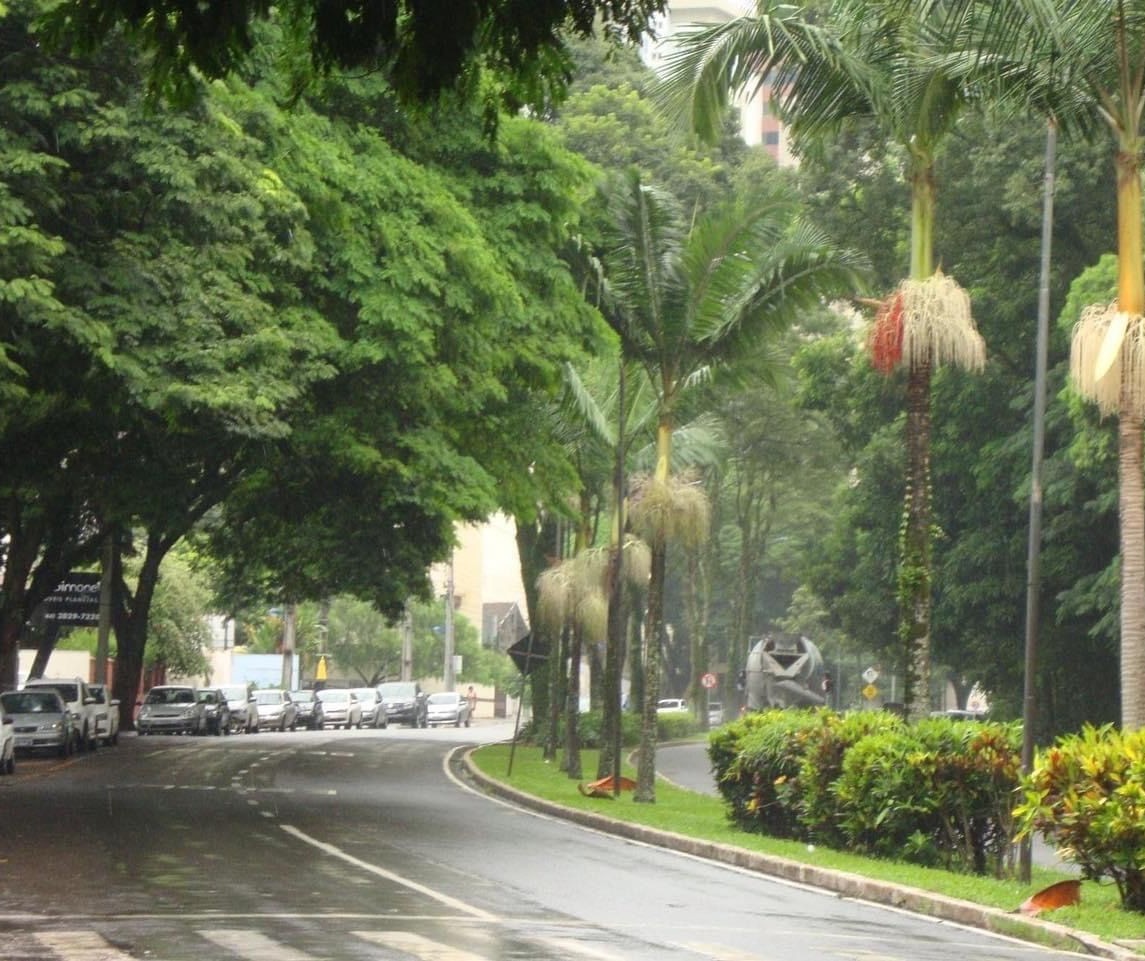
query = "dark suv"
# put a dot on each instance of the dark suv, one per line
(404, 701)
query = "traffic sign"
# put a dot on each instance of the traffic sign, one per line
(870, 692)
(870, 675)
(708, 680)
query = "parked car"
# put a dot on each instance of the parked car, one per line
(108, 731)
(276, 710)
(310, 711)
(715, 714)
(373, 710)
(404, 701)
(447, 707)
(244, 711)
(671, 705)
(41, 720)
(340, 708)
(87, 714)
(216, 711)
(173, 709)
(7, 743)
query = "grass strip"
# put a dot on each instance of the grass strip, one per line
(700, 816)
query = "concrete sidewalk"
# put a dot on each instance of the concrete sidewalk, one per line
(839, 882)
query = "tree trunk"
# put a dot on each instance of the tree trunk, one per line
(915, 560)
(131, 625)
(613, 667)
(557, 680)
(653, 641)
(572, 765)
(531, 536)
(1131, 299)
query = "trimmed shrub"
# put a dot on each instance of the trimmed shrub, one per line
(826, 746)
(882, 809)
(1086, 795)
(757, 780)
(938, 792)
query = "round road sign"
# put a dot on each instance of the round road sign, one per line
(708, 680)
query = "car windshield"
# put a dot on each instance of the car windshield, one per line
(396, 689)
(445, 697)
(31, 702)
(99, 692)
(234, 692)
(170, 695)
(208, 697)
(268, 697)
(366, 694)
(302, 696)
(336, 697)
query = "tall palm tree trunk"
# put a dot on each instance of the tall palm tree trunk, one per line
(572, 765)
(914, 564)
(915, 575)
(653, 643)
(654, 628)
(1131, 300)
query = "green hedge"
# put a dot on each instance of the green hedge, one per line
(937, 792)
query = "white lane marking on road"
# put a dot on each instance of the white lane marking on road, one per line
(80, 946)
(253, 945)
(570, 948)
(718, 952)
(450, 902)
(418, 946)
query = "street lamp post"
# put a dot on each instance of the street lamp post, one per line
(450, 680)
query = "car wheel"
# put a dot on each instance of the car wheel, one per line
(467, 722)
(457, 721)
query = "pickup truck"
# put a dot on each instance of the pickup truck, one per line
(88, 715)
(109, 727)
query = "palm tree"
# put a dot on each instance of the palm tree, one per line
(864, 59)
(1083, 63)
(682, 300)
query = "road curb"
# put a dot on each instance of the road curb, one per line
(842, 883)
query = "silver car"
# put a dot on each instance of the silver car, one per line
(171, 709)
(373, 710)
(40, 720)
(447, 707)
(240, 700)
(276, 711)
(340, 708)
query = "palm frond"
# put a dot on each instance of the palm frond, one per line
(710, 63)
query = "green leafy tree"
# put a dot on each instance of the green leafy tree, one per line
(421, 48)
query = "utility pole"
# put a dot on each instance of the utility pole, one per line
(288, 648)
(448, 675)
(407, 644)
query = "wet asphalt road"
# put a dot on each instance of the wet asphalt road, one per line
(346, 846)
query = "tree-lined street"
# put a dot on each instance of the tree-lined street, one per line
(363, 845)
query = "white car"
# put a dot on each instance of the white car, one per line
(671, 705)
(88, 716)
(7, 743)
(109, 728)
